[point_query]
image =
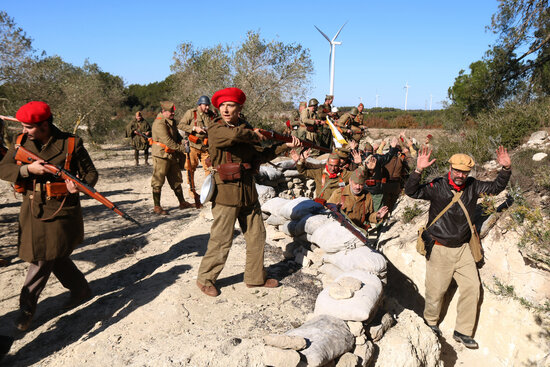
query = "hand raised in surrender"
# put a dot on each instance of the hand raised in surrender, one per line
(423, 160)
(503, 157)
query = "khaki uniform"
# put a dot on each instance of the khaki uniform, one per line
(166, 165)
(236, 200)
(358, 208)
(197, 151)
(308, 126)
(47, 244)
(396, 170)
(324, 185)
(139, 142)
(360, 118)
(344, 123)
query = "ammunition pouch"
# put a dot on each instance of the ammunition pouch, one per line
(229, 171)
(56, 190)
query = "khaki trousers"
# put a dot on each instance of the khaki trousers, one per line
(39, 272)
(191, 164)
(221, 239)
(445, 264)
(165, 169)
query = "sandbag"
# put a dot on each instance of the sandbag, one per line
(273, 206)
(361, 258)
(288, 227)
(327, 338)
(286, 164)
(298, 208)
(300, 225)
(311, 223)
(275, 220)
(270, 173)
(333, 237)
(265, 193)
(331, 271)
(361, 307)
(291, 173)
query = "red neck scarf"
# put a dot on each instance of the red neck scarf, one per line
(330, 175)
(455, 186)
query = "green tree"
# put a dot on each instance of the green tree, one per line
(15, 47)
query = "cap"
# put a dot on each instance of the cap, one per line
(368, 147)
(333, 155)
(358, 176)
(228, 95)
(168, 106)
(429, 136)
(461, 162)
(33, 112)
(342, 153)
(329, 96)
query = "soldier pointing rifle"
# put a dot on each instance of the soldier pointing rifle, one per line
(50, 221)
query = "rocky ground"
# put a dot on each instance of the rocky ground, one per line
(146, 308)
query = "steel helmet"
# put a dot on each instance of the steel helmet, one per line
(354, 111)
(313, 102)
(203, 100)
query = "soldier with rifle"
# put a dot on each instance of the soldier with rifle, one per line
(136, 130)
(356, 203)
(195, 123)
(50, 221)
(168, 157)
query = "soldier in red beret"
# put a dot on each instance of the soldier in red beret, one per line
(50, 224)
(236, 155)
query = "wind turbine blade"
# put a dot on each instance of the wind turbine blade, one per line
(324, 35)
(337, 33)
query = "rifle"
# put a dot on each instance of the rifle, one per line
(151, 142)
(23, 155)
(287, 139)
(344, 220)
(9, 118)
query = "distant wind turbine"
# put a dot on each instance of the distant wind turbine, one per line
(333, 43)
(407, 86)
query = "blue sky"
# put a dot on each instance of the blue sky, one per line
(384, 44)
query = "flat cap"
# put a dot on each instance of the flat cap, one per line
(358, 176)
(333, 155)
(461, 162)
(167, 106)
(33, 112)
(228, 95)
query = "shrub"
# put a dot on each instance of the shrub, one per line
(410, 212)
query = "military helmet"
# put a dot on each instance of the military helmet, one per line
(203, 100)
(354, 111)
(313, 102)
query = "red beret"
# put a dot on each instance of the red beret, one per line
(228, 95)
(33, 112)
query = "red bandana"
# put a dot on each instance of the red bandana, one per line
(455, 186)
(330, 175)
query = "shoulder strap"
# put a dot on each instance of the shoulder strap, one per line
(456, 198)
(467, 216)
(70, 150)
(195, 117)
(20, 141)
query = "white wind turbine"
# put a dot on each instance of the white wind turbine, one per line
(407, 86)
(333, 43)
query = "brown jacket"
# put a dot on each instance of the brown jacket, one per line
(194, 117)
(242, 144)
(57, 237)
(324, 186)
(358, 208)
(165, 131)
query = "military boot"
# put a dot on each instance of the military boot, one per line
(179, 194)
(146, 156)
(136, 156)
(156, 200)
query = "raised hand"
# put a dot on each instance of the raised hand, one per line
(356, 156)
(423, 160)
(294, 143)
(382, 212)
(393, 143)
(503, 157)
(371, 162)
(352, 145)
(294, 155)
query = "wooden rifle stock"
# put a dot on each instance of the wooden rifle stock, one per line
(25, 156)
(287, 139)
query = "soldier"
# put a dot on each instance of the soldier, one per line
(356, 203)
(195, 123)
(324, 135)
(360, 118)
(50, 227)
(327, 179)
(374, 174)
(396, 172)
(309, 121)
(139, 125)
(168, 158)
(295, 121)
(236, 153)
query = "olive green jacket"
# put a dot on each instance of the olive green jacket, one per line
(55, 238)
(243, 145)
(138, 142)
(358, 208)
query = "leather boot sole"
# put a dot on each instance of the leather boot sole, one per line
(158, 210)
(269, 283)
(209, 290)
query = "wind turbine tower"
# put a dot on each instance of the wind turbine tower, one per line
(333, 44)
(407, 86)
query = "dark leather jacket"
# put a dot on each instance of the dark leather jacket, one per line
(452, 228)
